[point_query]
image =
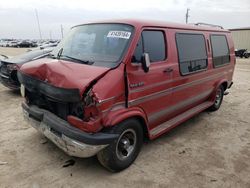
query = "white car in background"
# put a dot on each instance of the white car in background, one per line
(12, 44)
(3, 43)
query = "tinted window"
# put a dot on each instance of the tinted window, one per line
(153, 43)
(192, 52)
(220, 50)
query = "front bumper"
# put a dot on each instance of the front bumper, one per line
(71, 140)
(7, 82)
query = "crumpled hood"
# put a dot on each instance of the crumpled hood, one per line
(63, 74)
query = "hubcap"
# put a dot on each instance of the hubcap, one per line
(218, 97)
(126, 144)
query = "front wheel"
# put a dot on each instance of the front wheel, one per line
(218, 99)
(124, 150)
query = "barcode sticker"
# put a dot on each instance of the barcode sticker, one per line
(119, 34)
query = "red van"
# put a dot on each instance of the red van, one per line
(110, 85)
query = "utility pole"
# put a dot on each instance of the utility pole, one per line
(62, 30)
(50, 34)
(38, 23)
(187, 15)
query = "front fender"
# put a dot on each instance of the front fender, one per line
(114, 117)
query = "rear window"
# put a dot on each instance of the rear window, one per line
(153, 43)
(220, 50)
(191, 52)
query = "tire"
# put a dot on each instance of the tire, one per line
(124, 150)
(246, 55)
(218, 99)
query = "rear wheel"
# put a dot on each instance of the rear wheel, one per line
(124, 150)
(218, 99)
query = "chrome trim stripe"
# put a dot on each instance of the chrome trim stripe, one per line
(109, 99)
(176, 88)
(178, 118)
(161, 93)
(168, 81)
(153, 117)
(152, 86)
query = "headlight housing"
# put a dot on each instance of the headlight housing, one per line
(11, 67)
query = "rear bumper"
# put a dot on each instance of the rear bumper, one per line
(71, 140)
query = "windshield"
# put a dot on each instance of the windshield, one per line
(100, 44)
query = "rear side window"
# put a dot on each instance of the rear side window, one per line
(192, 52)
(220, 50)
(153, 43)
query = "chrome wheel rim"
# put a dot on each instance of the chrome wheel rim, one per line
(218, 97)
(126, 144)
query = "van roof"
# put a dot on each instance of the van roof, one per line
(156, 23)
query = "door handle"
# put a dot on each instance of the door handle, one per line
(168, 70)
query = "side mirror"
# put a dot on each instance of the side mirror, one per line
(145, 61)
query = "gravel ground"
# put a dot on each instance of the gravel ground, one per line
(12, 51)
(209, 150)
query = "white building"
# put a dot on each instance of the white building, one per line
(241, 37)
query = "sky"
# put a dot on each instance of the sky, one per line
(18, 18)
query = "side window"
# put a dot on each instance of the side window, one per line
(153, 43)
(192, 52)
(220, 50)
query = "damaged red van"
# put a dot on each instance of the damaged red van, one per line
(110, 85)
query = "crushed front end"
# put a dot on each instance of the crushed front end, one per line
(63, 116)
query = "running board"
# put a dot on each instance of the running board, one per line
(164, 127)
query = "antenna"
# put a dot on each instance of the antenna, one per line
(50, 34)
(187, 15)
(38, 23)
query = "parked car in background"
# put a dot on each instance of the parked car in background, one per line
(133, 80)
(10, 66)
(12, 44)
(49, 45)
(26, 44)
(242, 53)
(3, 43)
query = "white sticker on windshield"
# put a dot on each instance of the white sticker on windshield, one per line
(119, 34)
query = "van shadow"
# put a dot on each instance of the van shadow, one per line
(89, 166)
(92, 165)
(192, 124)
(11, 92)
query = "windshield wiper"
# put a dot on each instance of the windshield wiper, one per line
(79, 60)
(59, 53)
(56, 56)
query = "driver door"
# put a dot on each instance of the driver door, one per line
(151, 91)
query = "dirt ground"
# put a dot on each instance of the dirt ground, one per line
(209, 150)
